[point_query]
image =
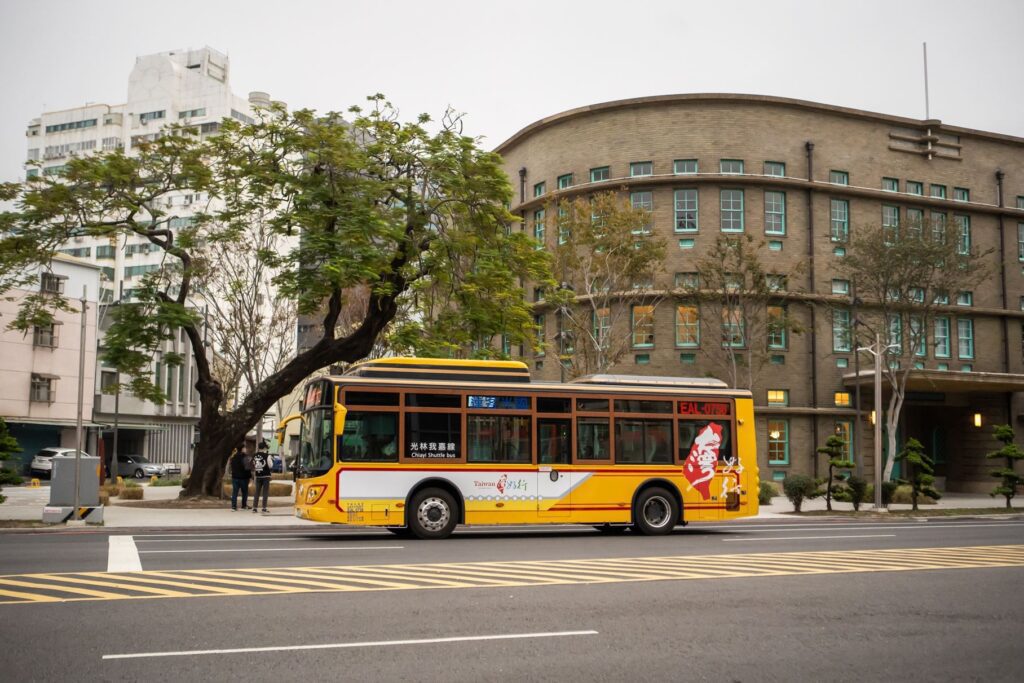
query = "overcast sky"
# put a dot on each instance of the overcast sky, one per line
(507, 64)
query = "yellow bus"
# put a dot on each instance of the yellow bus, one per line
(419, 446)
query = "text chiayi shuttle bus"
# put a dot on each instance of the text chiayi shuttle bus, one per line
(419, 446)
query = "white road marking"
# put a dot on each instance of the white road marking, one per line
(122, 555)
(275, 550)
(866, 527)
(330, 646)
(803, 538)
(247, 539)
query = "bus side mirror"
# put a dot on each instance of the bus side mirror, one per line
(339, 420)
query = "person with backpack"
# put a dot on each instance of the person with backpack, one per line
(261, 470)
(240, 476)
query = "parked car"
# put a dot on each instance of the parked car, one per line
(173, 468)
(138, 466)
(42, 462)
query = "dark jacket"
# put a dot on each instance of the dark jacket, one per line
(239, 466)
(261, 464)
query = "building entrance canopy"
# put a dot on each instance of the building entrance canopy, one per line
(944, 381)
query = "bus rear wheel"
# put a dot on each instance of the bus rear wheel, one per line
(434, 514)
(656, 512)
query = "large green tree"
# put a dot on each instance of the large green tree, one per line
(395, 211)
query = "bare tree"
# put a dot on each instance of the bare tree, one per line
(605, 261)
(904, 279)
(744, 313)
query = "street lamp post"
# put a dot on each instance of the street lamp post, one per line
(878, 350)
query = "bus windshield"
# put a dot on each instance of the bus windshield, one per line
(315, 440)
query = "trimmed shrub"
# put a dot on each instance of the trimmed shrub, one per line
(167, 481)
(132, 493)
(104, 498)
(856, 491)
(280, 489)
(904, 495)
(799, 487)
(888, 489)
(766, 491)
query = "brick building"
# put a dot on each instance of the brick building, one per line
(799, 174)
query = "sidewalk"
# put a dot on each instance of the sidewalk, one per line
(949, 501)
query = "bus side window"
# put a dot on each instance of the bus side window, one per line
(592, 434)
(370, 436)
(554, 437)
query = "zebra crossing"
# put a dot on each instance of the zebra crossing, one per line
(83, 586)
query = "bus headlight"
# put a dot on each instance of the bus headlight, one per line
(314, 492)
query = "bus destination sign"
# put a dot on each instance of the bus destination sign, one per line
(715, 408)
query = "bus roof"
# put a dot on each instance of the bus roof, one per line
(442, 368)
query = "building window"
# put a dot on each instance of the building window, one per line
(688, 243)
(192, 113)
(643, 200)
(152, 116)
(599, 174)
(538, 227)
(104, 251)
(841, 330)
(961, 194)
(778, 442)
(539, 189)
(775, 168)
(778, 397)
(965, 337)
(842, 363)
(642, 359)
(539, 322)
(842, 399)
(730, 166)
(938, 191)
(688, 358)
(43, 389)
(778, 359)
(601, 321)
(643, 326)
(963, 223)
(733, 327)
(891, 184)
(890, 223)
(965, 299)
(776, 327)
(564, 181)
(844, 430)
(841, 287)
(776, 282)
(684, 166)
(57, 128)
(687, 326)
(1020, 241)
(1020, 202)
(45, 336)
(839, 177)
(915, 187)
(688, 281)
(914, 223)
(51, 284)
(840, 215)
(641, 168)
(686, 211)
(732, 211)
(775, 213)
(942, 346)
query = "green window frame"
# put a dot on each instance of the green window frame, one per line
(891, 184)
(914, 223)
(564, 181)
(942, 340)
(643, 199)
(965, 338)
(539, 189)
(1020, 241)
(639, 169)
(915, 187)
(730, 166)
(732, 210)
(839, 177)
(777, 397)
(937, 191)
(841, 337)
(776, 331)
(778, 441)
(841, 287)
(840, 220)
(601, 322)
(564, 230)
(541, 333)
(688, 280)
(890, 222)
(642, 325)
(963, 245)
(538, 227)
(734, 327)
(774, 213)
(775, 168)
(965, 298)
(918, 335)
(684, 166)
(961, 194)
(600, 174)
(844, 430)
(687, 326)
(687, 210)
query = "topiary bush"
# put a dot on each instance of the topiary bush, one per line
(765, 492)
(130, 492)
(888, 490)
(799, 487)
(856, 491)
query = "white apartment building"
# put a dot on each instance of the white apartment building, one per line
(39, 370)
(190, 87)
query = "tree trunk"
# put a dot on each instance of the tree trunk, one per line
(217, 436)
(828, 490)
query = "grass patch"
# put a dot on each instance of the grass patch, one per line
(940, 512)
(167, 481)
(22, 524)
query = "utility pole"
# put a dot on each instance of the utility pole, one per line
(81, 400)
(117, 402)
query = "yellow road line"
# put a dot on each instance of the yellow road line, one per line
(363, 578)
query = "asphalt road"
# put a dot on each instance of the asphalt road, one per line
(752, 601)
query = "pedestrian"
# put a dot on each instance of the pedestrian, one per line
(240, 476)
(261, 470)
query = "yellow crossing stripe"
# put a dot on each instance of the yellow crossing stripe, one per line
(35, 588)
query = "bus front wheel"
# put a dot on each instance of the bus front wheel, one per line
(434, 514)
(656, 512)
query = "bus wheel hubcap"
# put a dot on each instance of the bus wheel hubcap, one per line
(433, 514)
(657, 512)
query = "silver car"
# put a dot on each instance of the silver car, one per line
(42, 462)
(138, 466)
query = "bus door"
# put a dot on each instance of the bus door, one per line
(554, 478)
